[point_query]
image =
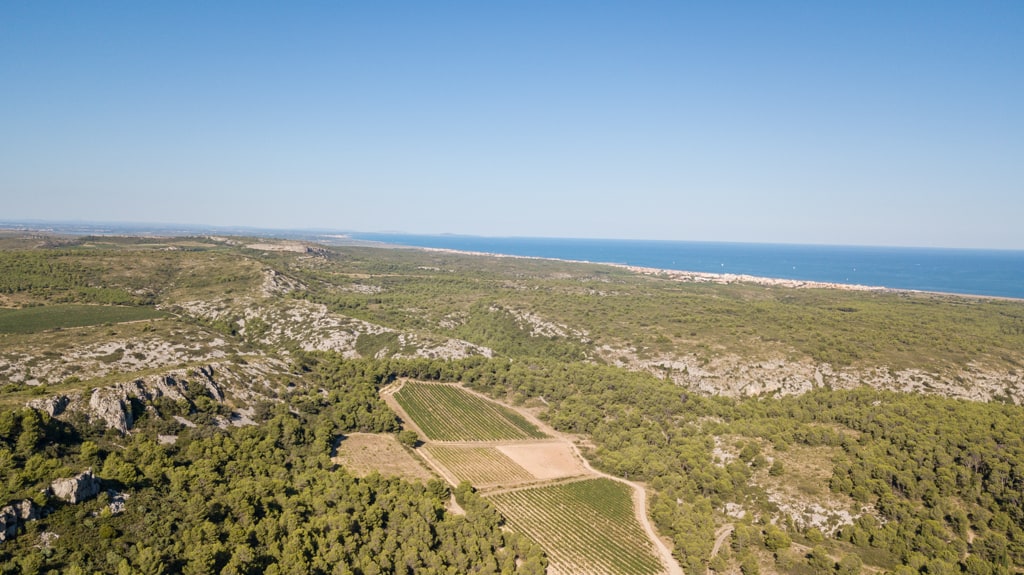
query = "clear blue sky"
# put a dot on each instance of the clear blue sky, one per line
(895, 123)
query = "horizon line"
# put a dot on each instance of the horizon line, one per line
(154, 227)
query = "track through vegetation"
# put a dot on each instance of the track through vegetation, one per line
(813, 469)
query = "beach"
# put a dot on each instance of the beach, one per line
(725, 278)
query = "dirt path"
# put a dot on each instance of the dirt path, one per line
(639, 493)
(387, 393)
(721, 535)
(640, 506)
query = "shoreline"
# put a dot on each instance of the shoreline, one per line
(723, 278)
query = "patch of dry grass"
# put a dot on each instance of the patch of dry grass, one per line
(365, 453)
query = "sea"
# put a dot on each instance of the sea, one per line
(998, 273)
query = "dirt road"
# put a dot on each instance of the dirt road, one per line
(639, 494)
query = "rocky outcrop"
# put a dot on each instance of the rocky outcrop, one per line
(118, 501)
(112, 404)
(107, 404)
(276, 283)
(81, 487)
(14, 515)
(53, 405)
(737, 376)
(116, 405)
(312, 326)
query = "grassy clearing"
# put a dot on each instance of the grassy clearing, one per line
(585, 526)
(42, 318)
(366, 453)
(448, 413)
(480, 466)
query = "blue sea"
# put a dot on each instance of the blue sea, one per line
(963, 271)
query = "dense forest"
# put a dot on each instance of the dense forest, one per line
(945, 478)
(255, 499)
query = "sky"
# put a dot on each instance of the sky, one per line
(859, 123)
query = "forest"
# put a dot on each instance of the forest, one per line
(257, 499)
(945, 477)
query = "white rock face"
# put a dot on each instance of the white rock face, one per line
(52, 405)
(81, 487)
(734, 375)
(15, 514)
(106, 404)
(313, 327)
(275, 283)
(111, 403)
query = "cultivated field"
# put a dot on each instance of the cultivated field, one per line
(41, 318)
(545, 460)
(481, 466)
(586, 523)
(448, 413)
(585, 527)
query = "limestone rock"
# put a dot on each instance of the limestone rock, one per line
(13, 515)
(118, 501)
(8, 523)
(26, 510)
(47, 539)
(107, 404)
(112, 404)
(75, 489)
(53, 405)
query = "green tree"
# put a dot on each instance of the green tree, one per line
(408, 438)
(850, 564)
(775, 539)
(749, 564)
(820, 561)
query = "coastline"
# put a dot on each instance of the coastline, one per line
(724, 278)
(686, 276)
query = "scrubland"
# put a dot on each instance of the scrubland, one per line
(206, 382)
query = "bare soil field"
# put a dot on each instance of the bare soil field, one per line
(545, 460)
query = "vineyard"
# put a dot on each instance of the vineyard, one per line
(36, 319)
(448, 413)
(585, 526)
(481, 466)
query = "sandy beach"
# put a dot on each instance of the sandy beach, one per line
(692, 277)
(726, 278)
